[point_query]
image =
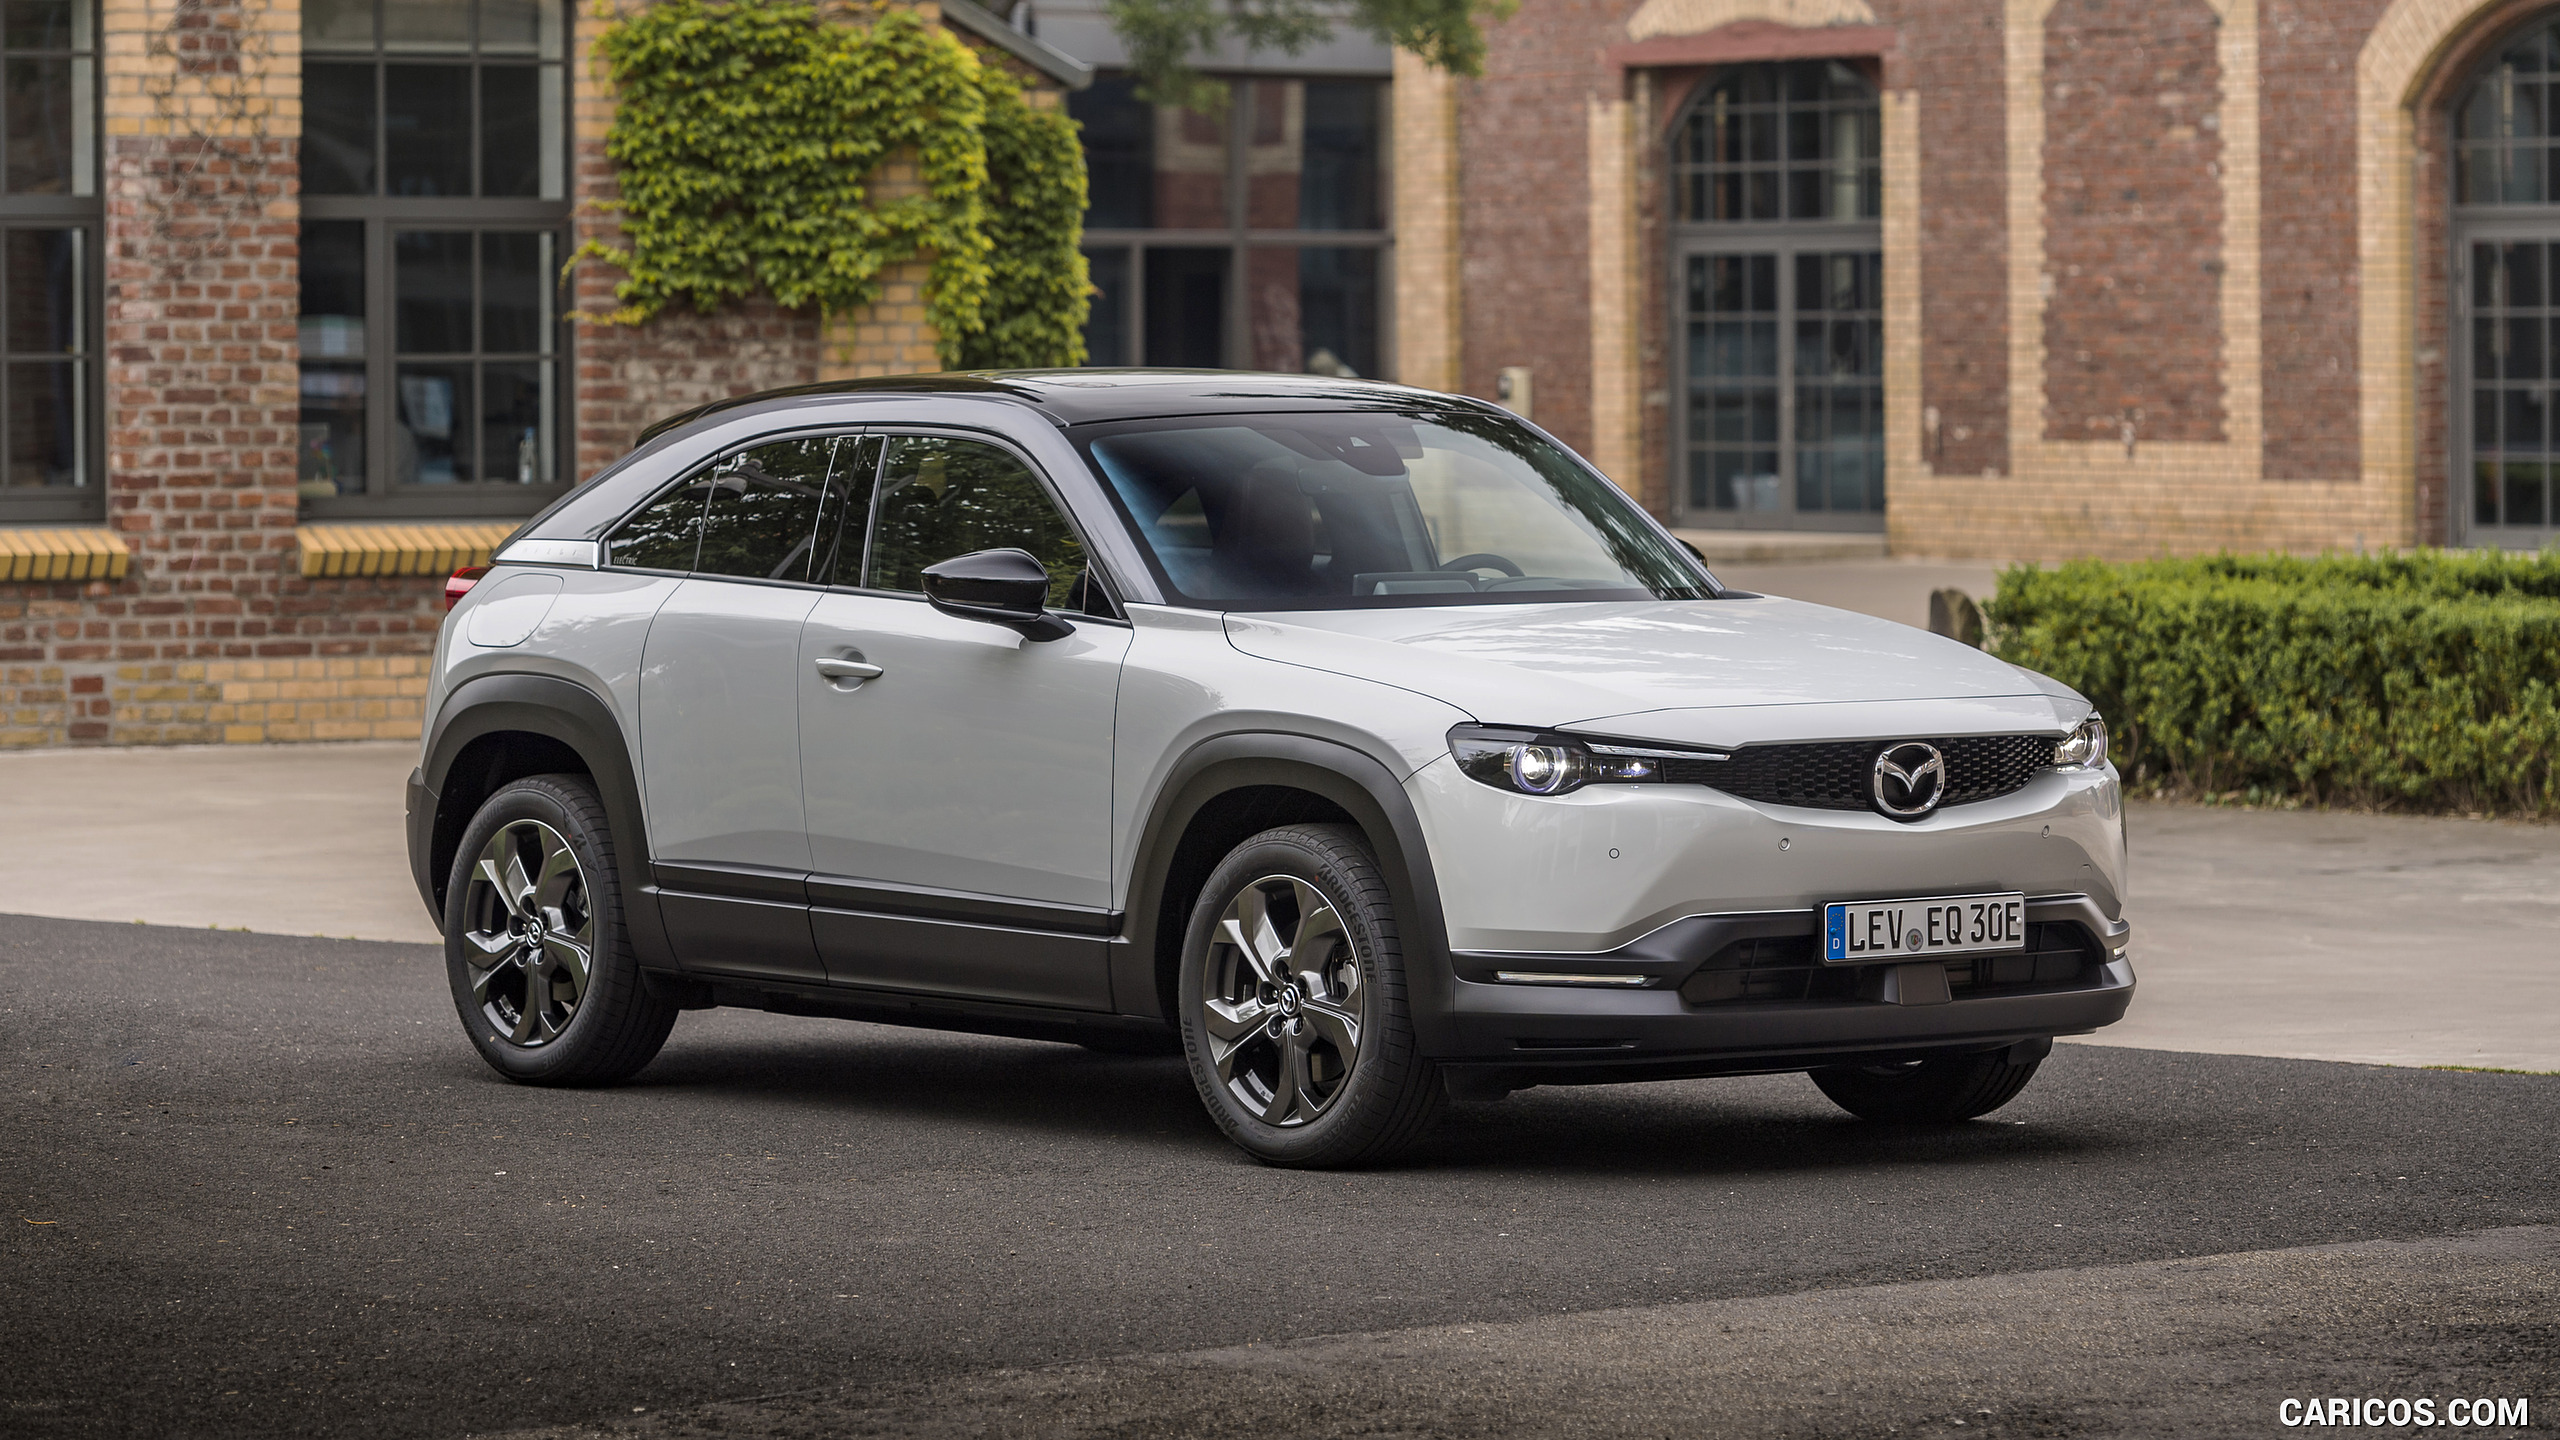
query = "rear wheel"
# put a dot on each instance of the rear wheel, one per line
(1931, 1092)
(541, 967)
(1293, 1006)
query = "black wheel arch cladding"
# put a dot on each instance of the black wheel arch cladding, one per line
(1231, 787)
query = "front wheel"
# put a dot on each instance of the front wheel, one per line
(1932, 1092)
(1294, 1016)
(541, 967)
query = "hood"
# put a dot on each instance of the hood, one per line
(1622, 661)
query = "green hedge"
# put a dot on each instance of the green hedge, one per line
(2419, 681)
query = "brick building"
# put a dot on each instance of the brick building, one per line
(2018, 278)
(2015, 278)
(282, 343)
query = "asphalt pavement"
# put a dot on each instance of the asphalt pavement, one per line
(261, 1185)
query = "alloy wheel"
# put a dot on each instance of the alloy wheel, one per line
(531, 932)
(1281, 1001)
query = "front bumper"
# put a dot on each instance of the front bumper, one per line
(1739, 993)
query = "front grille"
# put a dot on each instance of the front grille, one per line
(1787, 968)
(1839, 775)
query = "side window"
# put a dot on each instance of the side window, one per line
(762, 523)
(666, 532)
(940, 498)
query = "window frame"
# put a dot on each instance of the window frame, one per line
(1240, 239)
(386, 216)
(86, 214)
(694, 474)
(1094, 564)
(1785, 240)
(2469, 224)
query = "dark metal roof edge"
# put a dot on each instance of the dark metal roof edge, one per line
(1024, 388)
(1046, 58)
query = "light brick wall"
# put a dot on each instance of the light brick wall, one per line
(1425, 214)
(892, 337)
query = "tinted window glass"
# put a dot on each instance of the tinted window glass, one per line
(764, 505)
(1318, 510)
(664, 535)
(942, 498)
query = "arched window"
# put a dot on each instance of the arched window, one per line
(1778, 265)
(2507, 258)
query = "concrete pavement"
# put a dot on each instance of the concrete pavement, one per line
(290, 839)
(2390, 939)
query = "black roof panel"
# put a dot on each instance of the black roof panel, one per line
(1078, 397)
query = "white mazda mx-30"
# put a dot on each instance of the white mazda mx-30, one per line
(1361, 742)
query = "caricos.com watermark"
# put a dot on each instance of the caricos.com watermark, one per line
(2423, 1413)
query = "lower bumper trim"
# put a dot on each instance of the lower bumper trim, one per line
(1558, 1027)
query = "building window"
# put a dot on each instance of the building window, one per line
(50, 438)
(1777, 187)
(2506, 224)
(1254, 240)
(435, 213)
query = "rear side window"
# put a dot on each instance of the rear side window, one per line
(772, 512)
(765, 505)
(941, 498)
(666, 532)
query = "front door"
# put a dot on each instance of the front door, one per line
(958, 776)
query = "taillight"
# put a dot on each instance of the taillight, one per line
(460, 582)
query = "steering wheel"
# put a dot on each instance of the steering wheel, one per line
(1483, 560)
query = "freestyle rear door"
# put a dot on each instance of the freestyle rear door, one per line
(719, 716)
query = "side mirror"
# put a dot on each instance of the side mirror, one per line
(1001, 587)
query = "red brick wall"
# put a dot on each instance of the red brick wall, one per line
(201, 302)
(1524, 204)
(2307, 233)
(2133, 220)
(1523, 198)
(1954, 54)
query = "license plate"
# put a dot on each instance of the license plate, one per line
(1865, 932)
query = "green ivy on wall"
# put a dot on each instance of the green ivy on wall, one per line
(748, 135)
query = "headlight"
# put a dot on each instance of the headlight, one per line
(2085, 748)
(1541, 762)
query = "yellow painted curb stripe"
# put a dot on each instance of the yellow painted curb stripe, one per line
(67, 552)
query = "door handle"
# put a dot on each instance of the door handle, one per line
(854, 670)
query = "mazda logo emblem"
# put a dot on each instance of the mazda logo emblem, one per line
(1910, 780)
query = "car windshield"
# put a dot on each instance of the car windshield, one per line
(1353, 510)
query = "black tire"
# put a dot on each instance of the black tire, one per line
(1388, 1094)
(591, 1035)
(1929, 1092)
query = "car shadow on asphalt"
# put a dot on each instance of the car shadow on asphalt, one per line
(1756, 1125)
